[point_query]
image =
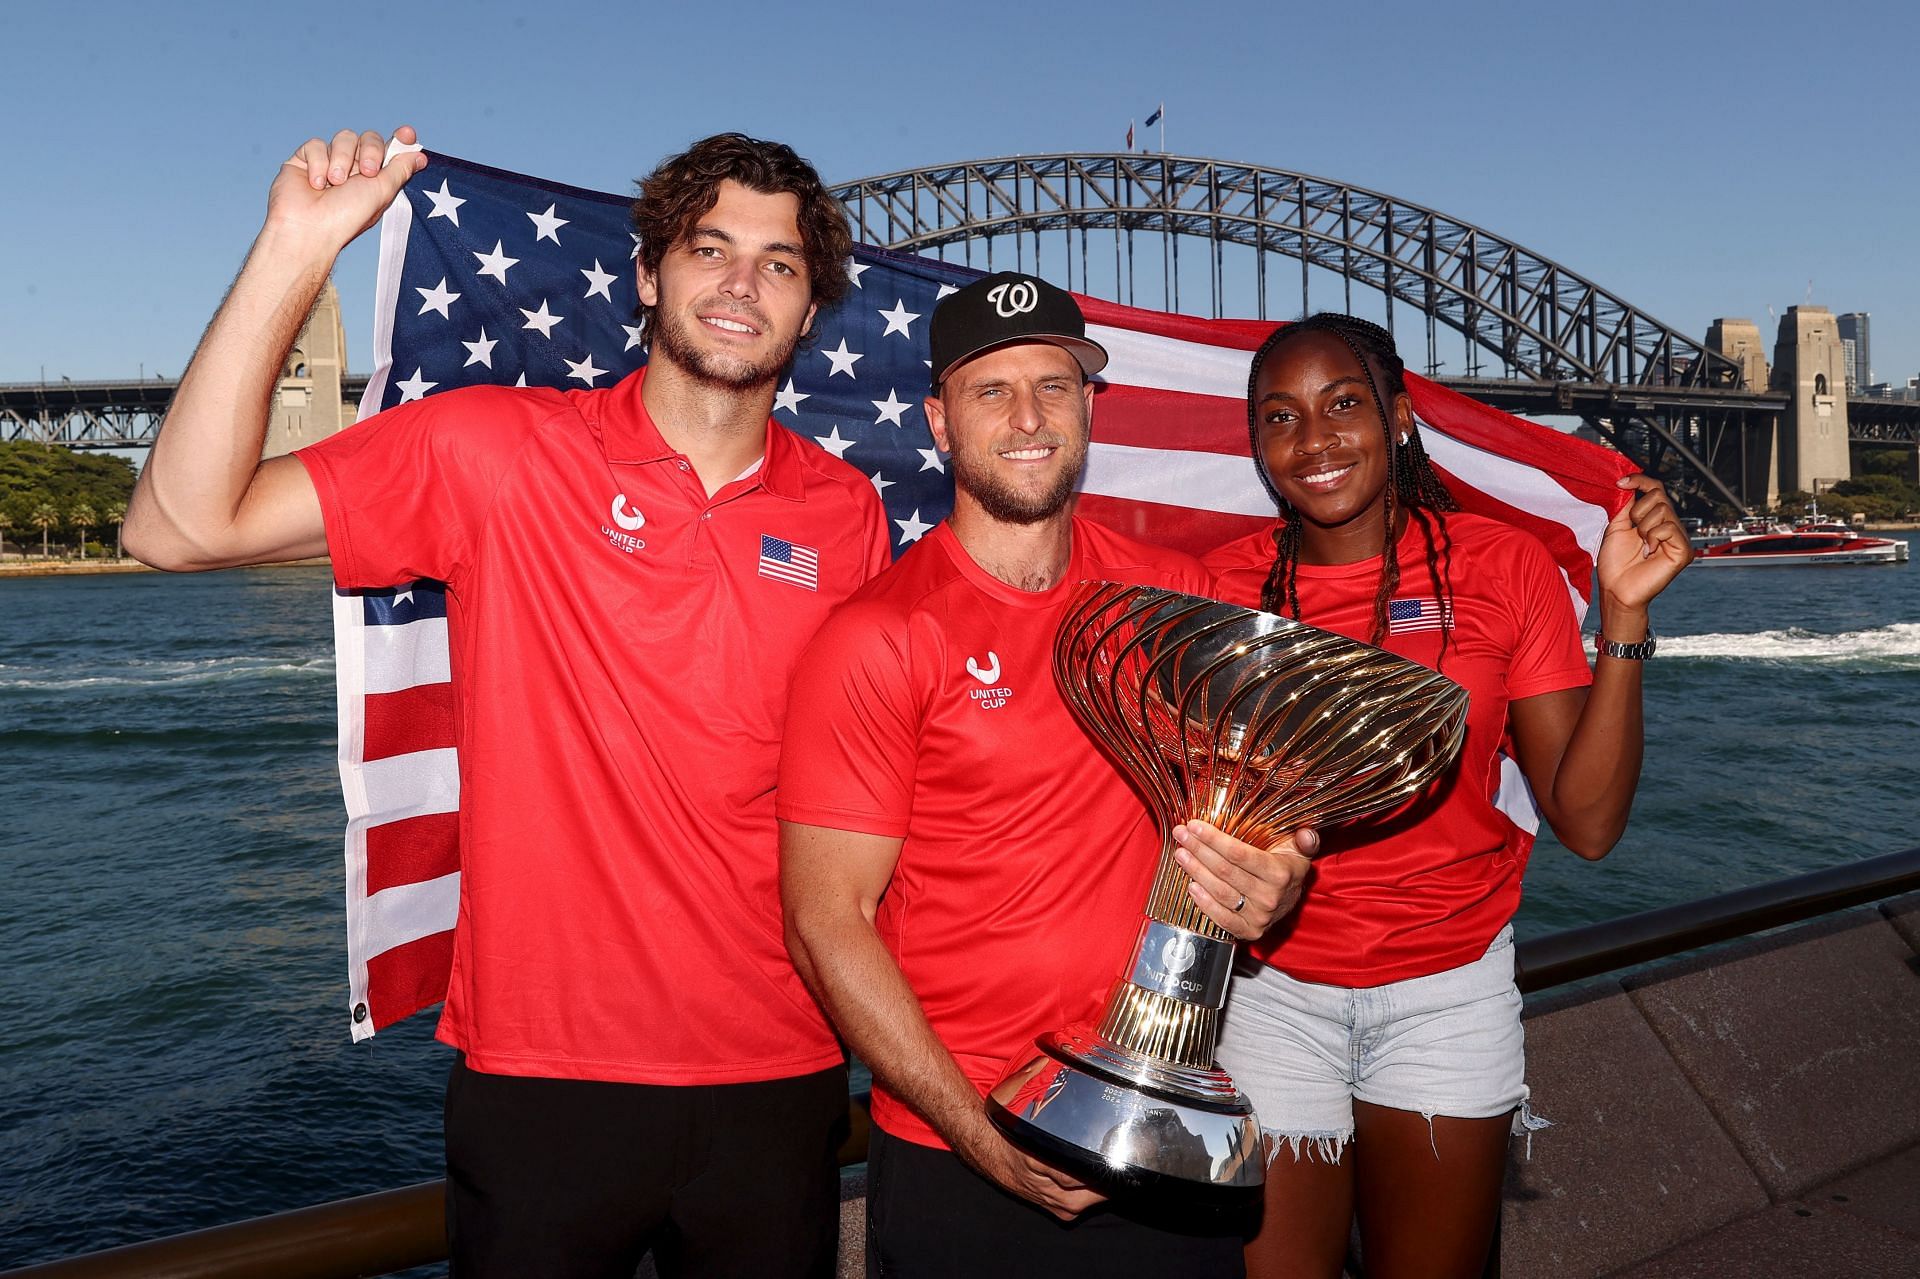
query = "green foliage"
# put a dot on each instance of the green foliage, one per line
(1893, 461)
(36, 476)
(1876, 496)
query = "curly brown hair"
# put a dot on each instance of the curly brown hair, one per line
(683, 188)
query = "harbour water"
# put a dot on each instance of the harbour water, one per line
(173, 1043)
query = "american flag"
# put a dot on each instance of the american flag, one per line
(785, 561)
(488, 276)
(1423, 614)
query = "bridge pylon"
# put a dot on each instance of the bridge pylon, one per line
(308, 402)
(1809, 365)
(1752, 468)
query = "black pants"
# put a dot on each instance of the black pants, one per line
(564, 1178)
(929, 1215)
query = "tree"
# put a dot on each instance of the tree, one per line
(116, 515)
(83, 517)
(6, 522)
(44, 517)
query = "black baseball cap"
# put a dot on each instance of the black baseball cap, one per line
(1009, 307)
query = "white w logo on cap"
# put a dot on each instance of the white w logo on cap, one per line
(1015, 298)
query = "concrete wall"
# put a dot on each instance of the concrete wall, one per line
(1757, 468)
(1810, 366)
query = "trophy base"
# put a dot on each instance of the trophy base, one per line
(1117, 1119)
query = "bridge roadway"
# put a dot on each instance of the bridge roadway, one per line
(125, 414)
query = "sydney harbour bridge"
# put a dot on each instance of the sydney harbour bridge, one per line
(1474, 310)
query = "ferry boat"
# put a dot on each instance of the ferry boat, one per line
(1815, 544)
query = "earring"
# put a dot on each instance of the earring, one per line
(1403, 437)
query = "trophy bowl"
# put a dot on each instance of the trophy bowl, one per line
(1259, 725)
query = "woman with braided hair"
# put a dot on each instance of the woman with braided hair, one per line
(1377, 1029)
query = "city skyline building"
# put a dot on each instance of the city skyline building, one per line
(1855, 327)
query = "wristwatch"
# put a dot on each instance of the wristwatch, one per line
(1630, 652)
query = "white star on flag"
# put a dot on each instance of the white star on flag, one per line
(545, 225)
(403, 597)
(543, 319)
(445, 204)
(855, 270)
(633, 336)
(598, 281)
(414, 387)
(945, 289)
(438, 298)
(890, 409)
(789, 399)
(899, 319)
(582, 369)
(913, 528)
(834, 443)
(930, 460)
(496, 263)
(880, 485)
(480, 352)
(842, 359)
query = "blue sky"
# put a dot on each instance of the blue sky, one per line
(1699, 160)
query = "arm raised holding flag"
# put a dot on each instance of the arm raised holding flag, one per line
(204, 499)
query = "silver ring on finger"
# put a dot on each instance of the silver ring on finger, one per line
(1241, 904)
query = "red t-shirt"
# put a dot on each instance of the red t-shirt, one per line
(926, 710)
(620, 659)
(1427, 887)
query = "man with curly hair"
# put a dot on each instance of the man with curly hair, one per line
(639, 1068)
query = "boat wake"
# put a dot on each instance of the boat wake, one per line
(160, 673)
(1886, 647)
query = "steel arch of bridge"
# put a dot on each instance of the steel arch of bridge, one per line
(1542, 321)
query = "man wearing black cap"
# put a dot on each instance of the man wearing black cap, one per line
(962, 869)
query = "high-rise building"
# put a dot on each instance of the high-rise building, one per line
(1853, 328)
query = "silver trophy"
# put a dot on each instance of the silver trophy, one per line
(1259, 725)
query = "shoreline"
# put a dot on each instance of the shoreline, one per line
(58, 568)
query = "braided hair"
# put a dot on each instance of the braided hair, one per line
(1412, 483)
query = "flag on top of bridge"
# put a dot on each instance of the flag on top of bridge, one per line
(488, 276)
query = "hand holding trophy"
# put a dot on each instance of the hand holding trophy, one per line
(1259, 725)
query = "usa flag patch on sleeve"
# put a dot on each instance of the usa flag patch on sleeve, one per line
(1420, 614)
(785, 561)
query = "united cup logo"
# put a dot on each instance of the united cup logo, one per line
(1013, 299)
(1179, 953)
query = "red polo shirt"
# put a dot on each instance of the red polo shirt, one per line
(621, 647)
(926, 710)
(1426, 887)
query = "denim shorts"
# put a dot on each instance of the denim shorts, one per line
(1447, 1044)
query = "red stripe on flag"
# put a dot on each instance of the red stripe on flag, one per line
(412, 850)
(1152, 419)
(1178, 527)
(1238, 335)
(412, 719)
(402, 981)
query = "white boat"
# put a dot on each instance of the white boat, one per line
(1829, 544)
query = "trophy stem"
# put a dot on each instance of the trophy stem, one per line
(1168, 1006)
(1146, 1022)
(1172, 904)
